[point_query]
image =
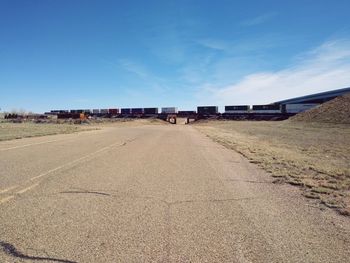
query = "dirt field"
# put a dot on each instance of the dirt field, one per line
(10, 131)
(313, 156)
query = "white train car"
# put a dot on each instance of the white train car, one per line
(238, 109)
(169, 110)
(266, 109)
(104, 111)
(299, 107)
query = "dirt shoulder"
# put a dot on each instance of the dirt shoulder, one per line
(313, 156)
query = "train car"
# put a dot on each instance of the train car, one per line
(136, 111)
(125, 111)
(169, 110)
(87, 111)
(185, 113)
(59, 111)
(150, 111)
(296, 108)
(68, 116)
(73, 111)
(207, 110)
(95, 111)
(267, 109)
(239, 109)
(113, 111)
(103, 111)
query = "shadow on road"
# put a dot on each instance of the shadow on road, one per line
(11, 250)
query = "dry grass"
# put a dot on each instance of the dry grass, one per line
(127, 122)
(10, 131)
(313, 156)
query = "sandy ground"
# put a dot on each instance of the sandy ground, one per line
(313, 156)
(154, 193)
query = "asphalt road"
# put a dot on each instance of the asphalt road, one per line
(154, 194)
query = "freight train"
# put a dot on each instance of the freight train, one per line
(202, 111)
(270, 108)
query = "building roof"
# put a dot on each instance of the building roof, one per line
(316, 98)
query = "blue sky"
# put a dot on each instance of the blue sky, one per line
(71, 54)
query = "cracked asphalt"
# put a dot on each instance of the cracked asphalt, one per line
(154, 193)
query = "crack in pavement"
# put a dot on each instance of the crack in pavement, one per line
(249, 181)
(120, 196)
(123, 196)
(11, 250)
(175, 202)
(209, 200)
(84, 192)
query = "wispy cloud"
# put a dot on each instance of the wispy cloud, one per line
(133, 67)
(197, 69)
(223, 61)
(323, 68)
(169, 42)
(145, 76)
(241, 46)
(258, 19)
(214, 44)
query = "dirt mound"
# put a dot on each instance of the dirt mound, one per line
(334, 111)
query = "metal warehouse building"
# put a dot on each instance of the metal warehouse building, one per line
(315, 98)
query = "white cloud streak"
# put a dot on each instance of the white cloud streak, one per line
(133, 67)
(149, 80)
(325, 68)
(258, 19)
